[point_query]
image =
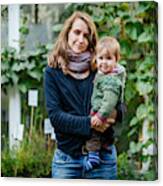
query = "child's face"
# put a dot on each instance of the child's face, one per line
(105, 62)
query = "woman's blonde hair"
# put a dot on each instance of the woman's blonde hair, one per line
(109, 45)
(59, 57)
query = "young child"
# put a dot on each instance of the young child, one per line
(108, 88)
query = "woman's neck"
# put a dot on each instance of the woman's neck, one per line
(78, 75)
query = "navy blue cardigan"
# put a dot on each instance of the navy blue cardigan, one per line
(68, 103)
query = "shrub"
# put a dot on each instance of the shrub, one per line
(31, 159)
(128, 169)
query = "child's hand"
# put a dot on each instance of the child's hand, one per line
(95, 121)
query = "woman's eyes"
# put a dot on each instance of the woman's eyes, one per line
(78, 32)
(86, 36)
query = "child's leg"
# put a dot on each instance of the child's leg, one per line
(93, 147)
(93, 160)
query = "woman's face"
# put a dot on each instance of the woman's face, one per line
(78, 36)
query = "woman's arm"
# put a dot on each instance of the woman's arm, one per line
(62, 121)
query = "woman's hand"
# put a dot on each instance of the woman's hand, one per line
(101, 128)
(112, 117)
(110, 121)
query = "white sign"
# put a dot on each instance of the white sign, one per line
(47, 126)
(20, 131)
(53, 136)
(33, 98)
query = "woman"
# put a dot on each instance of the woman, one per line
(68, 89)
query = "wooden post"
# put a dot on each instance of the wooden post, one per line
(31, 122)
(14, 94)
(33, 102)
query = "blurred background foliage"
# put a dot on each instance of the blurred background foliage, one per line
(135, 26)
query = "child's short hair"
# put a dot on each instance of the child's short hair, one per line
(109, 45)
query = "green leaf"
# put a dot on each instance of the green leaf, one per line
(134, 121)
(151, 117)
(99, 19)
(123, 62)
(148, 143)
(142, 111)
(22, 88)
(124, 6)
(144, 87)
(114, 30)
(4, 79)
(143, 6)
(24, 30)
(125, 47)
(30, 66)
(132, 132)
(35, 74)
(145, 158)
(4, 65)
(129, 91)
(146, 64)
(131, 30)
(139, 146)
(18, 67)
(123, 14)
(14, 77)
(144, 37)
(135, 147)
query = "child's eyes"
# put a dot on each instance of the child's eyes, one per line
(108, 58)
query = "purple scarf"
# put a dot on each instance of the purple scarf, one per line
(79, 62)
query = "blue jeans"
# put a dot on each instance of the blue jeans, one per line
(66, 167)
